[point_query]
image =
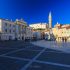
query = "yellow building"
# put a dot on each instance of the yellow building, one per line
(61, 32)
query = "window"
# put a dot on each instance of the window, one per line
(13, 25)
(13, 30)
(10, 37)
(5, 24)
(10, 31)
(10, 25)
(5, 30)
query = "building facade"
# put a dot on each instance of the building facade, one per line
(20, 29)
(62, 32)
(7, 30)
(17, 30)
(39, 25)
(29, 33)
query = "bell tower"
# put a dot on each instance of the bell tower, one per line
(50, 20)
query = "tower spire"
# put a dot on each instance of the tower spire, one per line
(50, 20)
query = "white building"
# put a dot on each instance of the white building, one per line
(29, 33)
(49, 35)
(20, 29)
(7, 30)
(17, 30)
(39, 25)
(37, 34)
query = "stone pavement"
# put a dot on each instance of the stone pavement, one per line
(19, 55)
(65, 47)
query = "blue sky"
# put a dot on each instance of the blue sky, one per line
(33, 11)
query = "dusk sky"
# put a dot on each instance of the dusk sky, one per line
(33, 11)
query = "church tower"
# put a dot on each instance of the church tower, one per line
(50, 20)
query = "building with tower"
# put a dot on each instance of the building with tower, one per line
(47, 27)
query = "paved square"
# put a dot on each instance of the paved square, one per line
(11, 64)
(42, 66)
(3, 51)
(19, 55)
(56, 57)
(24, 54)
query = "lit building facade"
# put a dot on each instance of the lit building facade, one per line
(39, 25)
(29, 33)
(7, 30)
(20, 29)
(62, 32)
(17, 30)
